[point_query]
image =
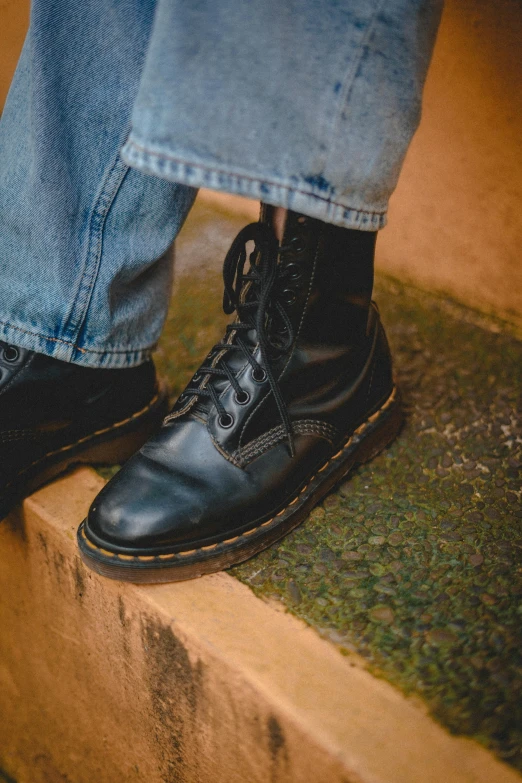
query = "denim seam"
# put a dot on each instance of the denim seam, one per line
(349, 80)
(74, 345)
(228, 172)
(111, 185)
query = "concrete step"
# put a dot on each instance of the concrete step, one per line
(408, 572)
(414, 562)
(193, 682)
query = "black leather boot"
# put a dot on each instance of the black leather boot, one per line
(54, 414)
(298, 392)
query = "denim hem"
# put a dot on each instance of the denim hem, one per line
(109, 358)
(299, 196)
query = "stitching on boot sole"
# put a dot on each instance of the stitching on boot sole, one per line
(186, 553)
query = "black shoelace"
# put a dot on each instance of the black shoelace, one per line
(251, 295)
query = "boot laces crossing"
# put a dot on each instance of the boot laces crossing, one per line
(252, 295)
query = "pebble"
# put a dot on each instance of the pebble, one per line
(326, 554)
(350, 555)
(395, 539)
(476, 559)
(377, 540)
(293, 592)
(332, 501)
(439, 637)
(382, 614)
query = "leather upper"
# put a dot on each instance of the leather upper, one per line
(204, 476)
(46, 403)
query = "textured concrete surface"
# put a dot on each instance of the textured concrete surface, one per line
(416, 562)
(194, 682)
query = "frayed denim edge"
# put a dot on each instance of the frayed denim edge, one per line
(298, 199)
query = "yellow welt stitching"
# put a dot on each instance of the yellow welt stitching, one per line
(264, 524)
(146, 558)
(124, 557)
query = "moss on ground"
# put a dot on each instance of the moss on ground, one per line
(415, 562)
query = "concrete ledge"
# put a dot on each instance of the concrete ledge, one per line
(198, 681)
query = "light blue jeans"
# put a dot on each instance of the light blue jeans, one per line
(121, 109)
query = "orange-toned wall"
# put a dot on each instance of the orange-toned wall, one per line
(14, 16)
(455, 220)
(455, 217)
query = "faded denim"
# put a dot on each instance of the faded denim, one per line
(120, 109)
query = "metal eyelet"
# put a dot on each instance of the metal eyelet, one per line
(243, 399)
(225, 421)
(298, 244)
(289, 296)
(259, 375)
(11, 354)
(293, 271)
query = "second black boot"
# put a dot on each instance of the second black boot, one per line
(54, 415)
(298, 392)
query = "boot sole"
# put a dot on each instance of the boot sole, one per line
(377, 432)
(109, 446)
